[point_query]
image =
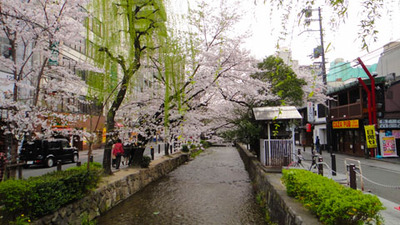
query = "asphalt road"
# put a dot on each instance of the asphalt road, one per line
(37, 170)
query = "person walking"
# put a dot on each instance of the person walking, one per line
(318, 145)
(118, 151)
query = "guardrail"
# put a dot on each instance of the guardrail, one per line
(5, 172)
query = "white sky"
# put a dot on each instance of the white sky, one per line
(343, 40)
(264, 27)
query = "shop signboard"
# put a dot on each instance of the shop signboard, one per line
(388, 143)
(389, 123)
(345, 124)
(370, 136)
(310, 112)
(103, 138)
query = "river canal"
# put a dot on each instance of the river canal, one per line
(214, 188)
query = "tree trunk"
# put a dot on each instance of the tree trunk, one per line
(39, 78)
(89, 155)
(137, 155)
(108, 146)
(14, 156)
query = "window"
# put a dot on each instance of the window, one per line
(65, 144)
(322, 111)
(53, 145)
(354, 96)
(343, 99)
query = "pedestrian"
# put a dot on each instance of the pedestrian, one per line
(318, 145)
(118, 151)
(127, 155)
(113, 156)
(3, 162)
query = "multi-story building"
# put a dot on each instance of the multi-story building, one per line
(67, 56)
(350, 110)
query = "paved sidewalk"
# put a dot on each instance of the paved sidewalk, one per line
(390, 215)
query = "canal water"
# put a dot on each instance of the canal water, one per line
(212, 189)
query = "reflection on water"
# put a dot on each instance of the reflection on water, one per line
(213, 189)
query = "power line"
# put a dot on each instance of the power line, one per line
(388, 50)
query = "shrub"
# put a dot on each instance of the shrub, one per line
(205, 144)
(195, 153)
(185, 148)
(145, 161)
(42, 195)
(331, 202)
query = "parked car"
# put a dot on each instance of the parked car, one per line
(47, 152)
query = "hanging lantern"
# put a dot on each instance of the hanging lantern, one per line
(308, 127)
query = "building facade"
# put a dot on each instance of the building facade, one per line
(350, 112)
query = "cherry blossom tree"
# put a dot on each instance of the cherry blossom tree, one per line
(40, 67)
(130, 32)
(180, 85)
(198, 78)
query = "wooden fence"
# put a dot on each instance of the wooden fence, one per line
(273, 152)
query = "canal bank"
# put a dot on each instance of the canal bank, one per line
(282, 209)
(113, 190)
(213, 189)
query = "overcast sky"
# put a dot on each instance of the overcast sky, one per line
(343, 39)
(265, 25)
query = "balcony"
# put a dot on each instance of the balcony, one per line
(350, 111)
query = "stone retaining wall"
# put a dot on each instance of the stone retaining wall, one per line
(282, 209)
(112, 191)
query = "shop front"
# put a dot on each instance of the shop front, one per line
(348, 137)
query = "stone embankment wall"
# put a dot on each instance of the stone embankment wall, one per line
(114, 189)
(282, 209)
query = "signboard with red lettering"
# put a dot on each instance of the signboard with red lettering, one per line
(345, 124)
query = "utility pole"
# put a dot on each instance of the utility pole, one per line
(321, 52)
(308, 14)
(322, 47)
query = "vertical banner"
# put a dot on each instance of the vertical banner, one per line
(310, 112)
(103, 137)
(84, 139)
(370, 136)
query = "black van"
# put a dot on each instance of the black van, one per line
(47, 152)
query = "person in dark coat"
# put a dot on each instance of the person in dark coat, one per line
(318, 145)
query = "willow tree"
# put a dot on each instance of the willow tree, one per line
(122, 33)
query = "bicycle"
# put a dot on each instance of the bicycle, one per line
(296, 163)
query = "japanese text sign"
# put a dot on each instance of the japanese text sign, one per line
(345, 124)
(370, 136)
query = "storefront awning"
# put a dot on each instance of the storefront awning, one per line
(276, 113)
